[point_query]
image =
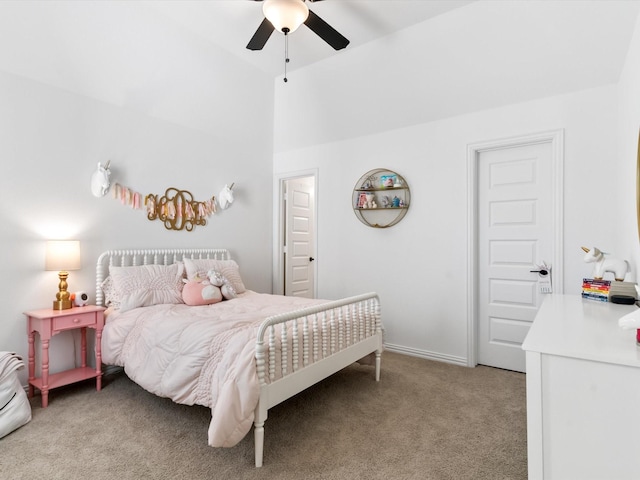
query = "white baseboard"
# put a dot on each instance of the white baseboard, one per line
(439, 357)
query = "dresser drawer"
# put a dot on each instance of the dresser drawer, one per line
(74, 321)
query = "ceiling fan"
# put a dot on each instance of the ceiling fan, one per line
(286, 16)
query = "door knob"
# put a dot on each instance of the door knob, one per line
(542, 272)
(311, 259)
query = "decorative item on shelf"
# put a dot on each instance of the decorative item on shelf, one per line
(370, 200)
(604, 264)
(62, 255)
(369, 182)
(178, 210)
(388, 181)
(225, 198)
(100, 182)
(381, 210)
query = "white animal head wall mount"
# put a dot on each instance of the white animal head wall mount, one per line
(100, 182)
(225, 198)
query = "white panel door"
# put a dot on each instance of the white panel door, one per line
(515, 235)
(299, 244)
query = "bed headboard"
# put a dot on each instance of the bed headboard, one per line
(166, 256)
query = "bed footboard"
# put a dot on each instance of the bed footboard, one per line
(298, 349)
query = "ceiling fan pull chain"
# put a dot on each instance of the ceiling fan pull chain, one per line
(286, 52)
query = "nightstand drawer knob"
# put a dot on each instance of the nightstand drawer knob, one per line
(76, 320)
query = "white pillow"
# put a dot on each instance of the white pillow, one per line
(198, 268)
(110, 296)
(146, 285)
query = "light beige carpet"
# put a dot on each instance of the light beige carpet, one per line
(423, 420)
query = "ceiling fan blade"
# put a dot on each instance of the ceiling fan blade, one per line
(326, 31)
(261, 36)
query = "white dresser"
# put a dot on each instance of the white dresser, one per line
(583, 392)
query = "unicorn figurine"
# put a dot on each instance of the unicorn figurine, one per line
(604, 264)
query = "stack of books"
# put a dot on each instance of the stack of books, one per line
(593, 289)
(623, 288)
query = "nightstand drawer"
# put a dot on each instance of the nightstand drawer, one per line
(74, 321)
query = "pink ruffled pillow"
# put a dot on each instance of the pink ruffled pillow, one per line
(200, 292)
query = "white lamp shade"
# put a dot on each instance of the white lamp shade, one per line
(285, 13)
(62, 255)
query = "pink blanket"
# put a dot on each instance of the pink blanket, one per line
(198, 355)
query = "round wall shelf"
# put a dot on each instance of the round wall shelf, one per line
(381, 198)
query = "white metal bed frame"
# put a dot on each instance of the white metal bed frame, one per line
(320, 340)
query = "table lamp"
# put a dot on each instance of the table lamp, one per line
(61, 256)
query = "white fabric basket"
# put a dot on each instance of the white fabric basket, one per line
(15, 409)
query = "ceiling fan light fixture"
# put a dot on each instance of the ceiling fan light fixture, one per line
(285, 15)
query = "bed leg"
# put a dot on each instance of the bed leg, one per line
(259, 442)
(378, 363)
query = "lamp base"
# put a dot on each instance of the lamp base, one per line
(62, 304)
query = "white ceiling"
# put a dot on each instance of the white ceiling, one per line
(185, 61)
(231, 23)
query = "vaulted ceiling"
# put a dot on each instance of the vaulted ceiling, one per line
(231, 24)
(166, 57)
(52, 40)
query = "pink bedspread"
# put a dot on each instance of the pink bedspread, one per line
(198, 355)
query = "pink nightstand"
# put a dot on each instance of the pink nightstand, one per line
(47, 322)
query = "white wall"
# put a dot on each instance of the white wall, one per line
(395, 108)
(419, 266)
(50, 143)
